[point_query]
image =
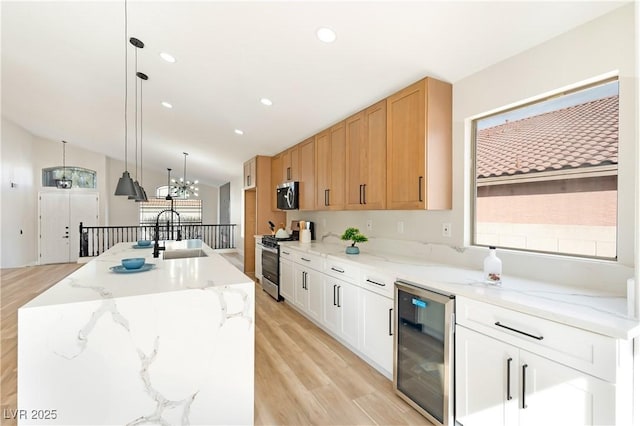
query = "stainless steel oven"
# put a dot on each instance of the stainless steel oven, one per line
(423, 351)
(271, 271)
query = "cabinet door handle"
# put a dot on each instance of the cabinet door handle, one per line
(288, 173)
(339, 287)
(420, 188)
(333, 268)
(326, 197)
(390, 331)
(375, 282)
(519, 331)
(305, 280)
(364, 193)
(524, 385)
(305, 259)
(360, 193)
(509, 397)
(334, 294)
(286, 252)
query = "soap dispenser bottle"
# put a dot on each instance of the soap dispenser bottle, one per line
(492, 267)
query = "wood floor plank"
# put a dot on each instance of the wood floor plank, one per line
(303, 376)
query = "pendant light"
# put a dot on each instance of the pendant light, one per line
(186, 188)
(125, 183)
(168, 197)
(139, 192)
(64, 183)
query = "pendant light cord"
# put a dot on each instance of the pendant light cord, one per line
(136, 126)
(185, 167)
(140, 132)
(64, 160)
(126, 88)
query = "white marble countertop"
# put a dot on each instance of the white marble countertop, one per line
(598, 311)
(172, 345)
(95, 281)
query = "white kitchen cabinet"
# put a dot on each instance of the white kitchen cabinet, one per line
(516, 369)
(376, 328)
(485, 364)
(286, 279)
(308, 290)
(557, 394)
(340, 314)
(500, 384)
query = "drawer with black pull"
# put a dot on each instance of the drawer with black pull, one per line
(346, 271)
(580, 349)
(378, 282)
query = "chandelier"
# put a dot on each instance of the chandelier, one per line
(64, 183)
(182, 187)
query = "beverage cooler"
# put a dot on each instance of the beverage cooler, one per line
(424, 352)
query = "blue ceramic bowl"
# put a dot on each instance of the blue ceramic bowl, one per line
(133, 263)
(144, 243)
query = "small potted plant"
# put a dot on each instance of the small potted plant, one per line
(355, 236)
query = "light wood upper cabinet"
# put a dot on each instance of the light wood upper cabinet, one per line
(307, 174)
(366, 158)
(290, 170)
(249, 174)
(258, 209)
(330, 168)
(419, 147)
(276, 179)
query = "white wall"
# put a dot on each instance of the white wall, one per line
(604, 45)
(24, 156)
(18, 227)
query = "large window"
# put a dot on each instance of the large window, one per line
(546, 175)
(190, 211)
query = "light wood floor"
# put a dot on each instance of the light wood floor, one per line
(17, 287)
(302, 375)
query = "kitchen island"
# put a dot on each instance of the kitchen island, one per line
(171, 345)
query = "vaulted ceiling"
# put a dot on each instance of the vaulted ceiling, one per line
(63, 67)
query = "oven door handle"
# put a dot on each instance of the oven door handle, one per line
(270, 249)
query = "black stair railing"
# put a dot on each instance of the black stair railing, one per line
(95, 240)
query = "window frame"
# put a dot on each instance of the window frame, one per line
(473, 132)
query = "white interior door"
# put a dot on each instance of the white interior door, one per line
(54, 227)
(60, 215)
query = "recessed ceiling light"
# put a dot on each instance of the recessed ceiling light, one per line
(326, 34)
(238, 132)
(266, 102)
(167, 104)
(167, 57)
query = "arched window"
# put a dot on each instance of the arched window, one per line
(79, 176)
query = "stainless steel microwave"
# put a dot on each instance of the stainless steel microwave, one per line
(287, 196)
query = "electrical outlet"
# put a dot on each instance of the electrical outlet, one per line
(400, 227)
(369, 225)
(446, 229)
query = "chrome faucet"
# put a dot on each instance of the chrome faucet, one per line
(156, 245)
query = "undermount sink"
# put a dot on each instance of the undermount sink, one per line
(183, 253)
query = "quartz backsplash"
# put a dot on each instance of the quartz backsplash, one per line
(421, 238)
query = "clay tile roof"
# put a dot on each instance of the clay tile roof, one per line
(583, 135)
